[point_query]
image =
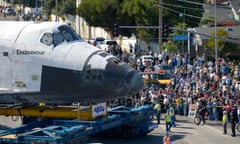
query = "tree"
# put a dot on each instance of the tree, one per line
(207, 20)
(223, 47)
(178, 11)
(170, 46)
(67, 7)
(98, 14)
(173, 46)
(142, 13)
(104, 13)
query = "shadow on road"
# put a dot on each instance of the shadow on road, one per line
(184, 127)
(154, 139)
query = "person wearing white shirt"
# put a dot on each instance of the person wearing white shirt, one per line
(160, 57)
(238, 112)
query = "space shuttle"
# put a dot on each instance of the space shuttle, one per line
(48, 62)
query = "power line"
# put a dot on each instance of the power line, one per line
(209, 36)
(175, 28)
(174, 5)
(202, 4)
(180, 12)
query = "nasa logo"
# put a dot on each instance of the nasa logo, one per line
(99, 109)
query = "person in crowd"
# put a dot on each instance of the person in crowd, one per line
(201, 110)
(168, 121)
(215, 109)
(157, 111)
(224, 121)
(234, 120)
(160, 57)
(238, 112)
(172, 115)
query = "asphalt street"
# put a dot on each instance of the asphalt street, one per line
(184, 133)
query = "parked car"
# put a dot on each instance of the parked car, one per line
(96, 41)
(167, 68)
(146, 60)
(9, 11)
(111, 46)
(107, 44)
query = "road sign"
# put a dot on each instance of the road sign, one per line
(180, 37)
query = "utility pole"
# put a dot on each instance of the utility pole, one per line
(160, 22)
(78, 17)
(56, 4)
(215, 29)
(23, 9)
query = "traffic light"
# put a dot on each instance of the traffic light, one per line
(165, 32)
(115, 30)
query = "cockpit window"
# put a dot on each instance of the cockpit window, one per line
(57, 38)
(65, 33)
(68, 33)
(46, 39)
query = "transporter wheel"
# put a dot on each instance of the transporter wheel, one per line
(197, 120)
(238, 127)
(127, 132)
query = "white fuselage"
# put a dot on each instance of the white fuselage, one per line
(39, 57)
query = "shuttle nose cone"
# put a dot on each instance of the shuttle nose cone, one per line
(136, 83)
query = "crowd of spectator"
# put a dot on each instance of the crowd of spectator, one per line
(214, 83)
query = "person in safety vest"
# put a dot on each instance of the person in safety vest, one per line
(168, 120)
(225, 121)
(172, 115)
(157, 111)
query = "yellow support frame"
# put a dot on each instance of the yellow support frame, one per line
(68, 112)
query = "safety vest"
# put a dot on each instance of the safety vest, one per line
(172, 111)
(168, 118)
(224, 118)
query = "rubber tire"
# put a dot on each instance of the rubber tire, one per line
(197, 120)
(238, 127)
(127, 132)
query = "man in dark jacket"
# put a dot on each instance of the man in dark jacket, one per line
(234, 120)
(202, 109)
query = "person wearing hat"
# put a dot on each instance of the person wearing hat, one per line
(224, 121)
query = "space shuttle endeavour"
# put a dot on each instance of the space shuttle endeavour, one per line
(48, 62)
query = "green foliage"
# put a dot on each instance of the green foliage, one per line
(177, 45)
(67, 7)
(223, 47)
(170, 46)
(191, 13)
(180, 26)
(207, 20)
(105, 13)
